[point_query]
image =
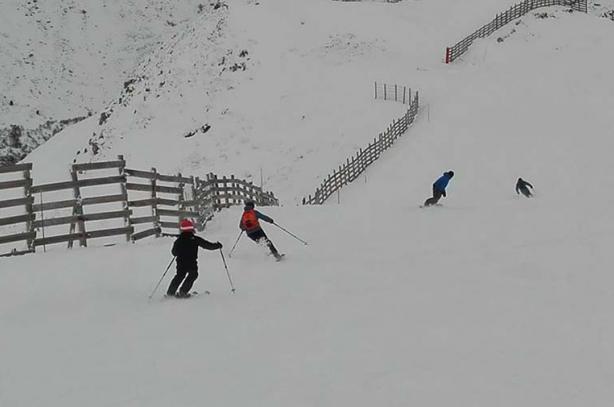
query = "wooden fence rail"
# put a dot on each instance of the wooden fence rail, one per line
(502, 19)
(358, 163)
(169, 198)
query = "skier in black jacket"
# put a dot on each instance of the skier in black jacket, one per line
(185, 249)
(522, 186)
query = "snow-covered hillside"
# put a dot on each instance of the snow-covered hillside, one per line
(272, 87)
(489, 300)
(60, 60)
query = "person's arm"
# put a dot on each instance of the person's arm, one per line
(530, 185)
(205, 244)
(174, 249)
(241, 224)
(264, 217)
(517, 191)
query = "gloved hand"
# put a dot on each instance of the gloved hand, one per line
(272, 221)
(219, 245)
(444, 194)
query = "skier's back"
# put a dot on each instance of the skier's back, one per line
(185, 249)
(250, 224)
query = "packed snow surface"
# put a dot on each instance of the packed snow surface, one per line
(488, 300)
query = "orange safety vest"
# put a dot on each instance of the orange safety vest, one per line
(249, 221)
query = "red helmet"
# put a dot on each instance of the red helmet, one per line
(186, 225)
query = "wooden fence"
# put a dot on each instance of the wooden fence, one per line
(395, 92)
(77, 219)
(502, 19)
(356, 165)
(144, 203)
(24, 182)
(218, 193)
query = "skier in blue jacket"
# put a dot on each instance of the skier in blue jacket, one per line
(439, 188)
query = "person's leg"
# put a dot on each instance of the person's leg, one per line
(176, 281)
(189, 281)
(256, 235)
(259, 235)
(525, 191)
(436, 197)
(270, 245)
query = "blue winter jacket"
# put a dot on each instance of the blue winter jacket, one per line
(442, 182)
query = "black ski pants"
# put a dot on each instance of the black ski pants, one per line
(437, 194)
(258, 235)
(187, 276)
(525, 191)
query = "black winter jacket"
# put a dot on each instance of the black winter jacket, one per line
(186, 247)
(522, 184)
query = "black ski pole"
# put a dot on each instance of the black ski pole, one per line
(235, 245)
(232, 288)
(162, 278)
(291, 234)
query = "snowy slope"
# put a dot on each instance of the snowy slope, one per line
(488, 300)
(302, 104)
(61, 60)
(283, 87)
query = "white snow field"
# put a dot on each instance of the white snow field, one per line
(488, 300)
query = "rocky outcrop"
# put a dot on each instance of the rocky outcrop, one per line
(16, 142)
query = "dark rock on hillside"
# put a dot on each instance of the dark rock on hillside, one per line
(16, 142)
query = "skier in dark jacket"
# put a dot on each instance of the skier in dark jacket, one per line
(250, 224)
(439, 188)
(185, 249)
(522, 186)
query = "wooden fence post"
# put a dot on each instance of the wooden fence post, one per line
(77, 210)
(180, 199)
(124, 192)
(28, 194)
(154, 202)
(235, 191)
(215, 192)
(225, 192)
(195, 201)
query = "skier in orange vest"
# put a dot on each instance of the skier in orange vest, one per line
(251, 226)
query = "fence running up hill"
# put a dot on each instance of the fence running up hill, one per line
(356, 165)
(135, 203)
(502, 19)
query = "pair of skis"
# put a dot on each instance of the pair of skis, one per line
(189, 295)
